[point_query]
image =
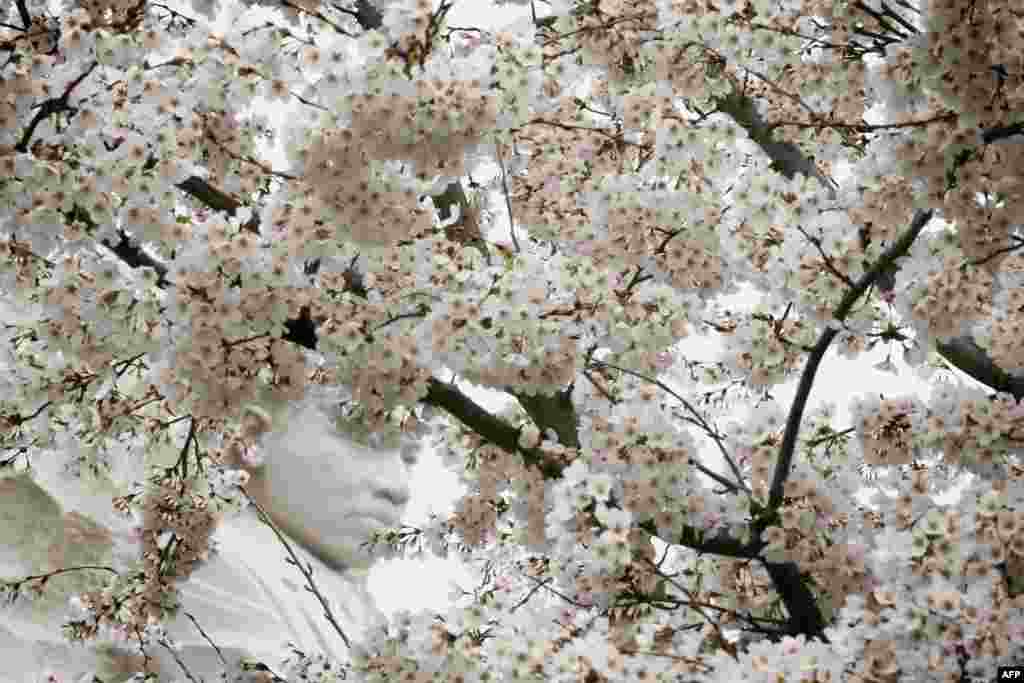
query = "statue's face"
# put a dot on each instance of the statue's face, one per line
(329, 493)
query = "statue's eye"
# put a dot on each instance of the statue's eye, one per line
(410, 454)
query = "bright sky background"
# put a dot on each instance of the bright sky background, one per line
(426, 584)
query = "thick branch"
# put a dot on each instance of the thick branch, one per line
(136, 257)
(804, 615)
(449, 398)
(211, 196)
(722, 544)
(965, 355)
(787, 158)
(898, 249)
(48, 108)
(26, 18)
(1001, 133)
(556, 411)
(367, 15)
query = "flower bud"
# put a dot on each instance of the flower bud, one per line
(529, 437)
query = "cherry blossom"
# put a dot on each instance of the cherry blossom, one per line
(854, 162)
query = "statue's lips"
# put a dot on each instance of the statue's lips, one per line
(377, 518)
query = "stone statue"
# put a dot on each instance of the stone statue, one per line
(324, 491)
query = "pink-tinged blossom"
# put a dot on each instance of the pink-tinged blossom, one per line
(856, 551)
(663, 360)
(118, 633)
(791, 646)
(253, 456)
(469, 43)
(693, 149)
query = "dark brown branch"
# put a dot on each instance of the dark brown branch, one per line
(787, 158)
(50, 107)
(495, 430)
(365, 14)
(804, 615)
(26, 18)
(368, 15)
(556, 411)
(1001, 133)
(963, 354)
(724, 545)
(898, 249)
(135, 256)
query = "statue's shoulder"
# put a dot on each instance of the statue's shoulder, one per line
(29, 518)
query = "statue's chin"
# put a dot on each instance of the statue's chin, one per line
(344, 559)
(342, 553)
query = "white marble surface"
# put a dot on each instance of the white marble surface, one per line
(247, 599)
(323, 492)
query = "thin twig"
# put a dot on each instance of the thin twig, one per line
(698, 420)
(178, 661)
(307, 571)
(208, 639)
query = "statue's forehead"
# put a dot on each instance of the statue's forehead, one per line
(336, 418)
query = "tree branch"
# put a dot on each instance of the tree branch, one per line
(803, 391)
(787, 158)
(963, 354)
(495, 430)
(367, 15)
(26, 18)
(556, 411)
(804, 615)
